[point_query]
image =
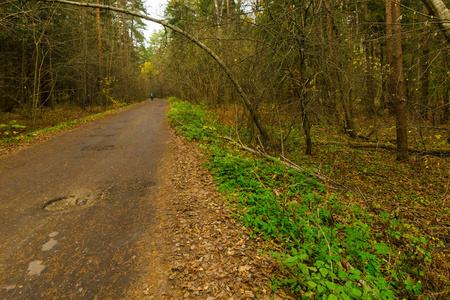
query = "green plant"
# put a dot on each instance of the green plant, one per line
(11, 129)
(327, 249)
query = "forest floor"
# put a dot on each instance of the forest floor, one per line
(414, 192)
(418, 189)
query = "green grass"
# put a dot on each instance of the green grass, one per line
(327, 248)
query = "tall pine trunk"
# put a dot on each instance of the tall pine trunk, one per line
(395, 80)
(390, 84)
(99, 49)
(425, 70)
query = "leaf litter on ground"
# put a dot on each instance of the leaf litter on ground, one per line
(374, 237)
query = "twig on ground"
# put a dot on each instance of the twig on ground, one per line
(436, 152)
(262, 147)
(178, 121)
(288, 164)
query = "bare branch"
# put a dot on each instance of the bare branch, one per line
(439, 10)
(190, 37)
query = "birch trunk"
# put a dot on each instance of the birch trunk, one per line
(439, 10)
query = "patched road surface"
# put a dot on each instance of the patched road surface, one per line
(73, 208)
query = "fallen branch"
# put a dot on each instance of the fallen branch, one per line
(436, 152)
(316, 174)
(432, 127)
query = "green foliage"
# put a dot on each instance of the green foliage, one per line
(327, 249)
(174, 100)
(191, 120)
(11, 129)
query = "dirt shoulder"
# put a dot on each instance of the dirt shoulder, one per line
(203, 251)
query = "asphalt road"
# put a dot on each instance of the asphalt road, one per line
(73, 207)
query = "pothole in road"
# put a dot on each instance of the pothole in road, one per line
(98, 148)
(102, 135)
(69, 203)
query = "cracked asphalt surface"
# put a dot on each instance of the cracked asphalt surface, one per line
(73, 208)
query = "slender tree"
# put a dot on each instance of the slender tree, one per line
(396, 80)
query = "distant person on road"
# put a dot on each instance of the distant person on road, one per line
(151, 96)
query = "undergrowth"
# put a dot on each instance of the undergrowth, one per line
(327, 248)
(14, 134)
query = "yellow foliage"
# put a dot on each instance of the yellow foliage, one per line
(149, 69)
(107, 85)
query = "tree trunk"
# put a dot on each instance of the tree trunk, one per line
(396, 80)
(99, 49)
(390, 84)
(439, 10)
(132, 26)
(307, 129)
(84, 77)
(447, 103)
(425, 70)
(125, 31)
(99, 34)
(329, 28)
(160, 74)
(36, 85)
(446, 117)
(119, 28)
(370, 84)
(49, 82)
(347, 106)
